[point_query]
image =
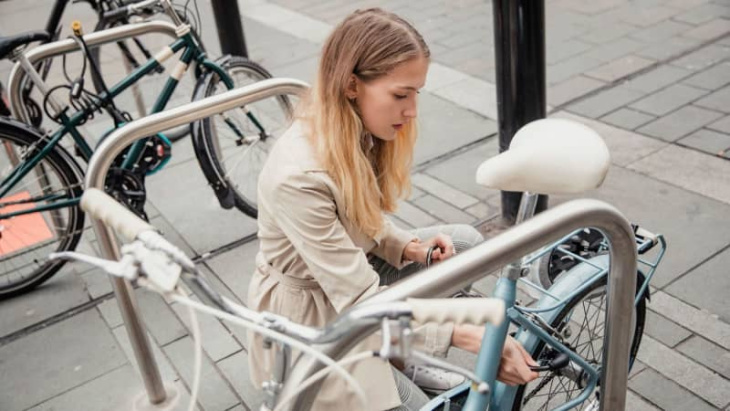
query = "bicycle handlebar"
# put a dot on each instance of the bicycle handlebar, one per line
(129, 8)
(103, 207)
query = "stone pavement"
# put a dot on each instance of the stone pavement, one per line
(651, 76)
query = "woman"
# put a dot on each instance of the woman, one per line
(322, 195)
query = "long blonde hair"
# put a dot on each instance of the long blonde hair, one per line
(369, 44)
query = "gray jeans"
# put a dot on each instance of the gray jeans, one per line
(464, 237)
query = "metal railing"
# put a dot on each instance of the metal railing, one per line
(442, 280)
(96, 174)
(60, 47)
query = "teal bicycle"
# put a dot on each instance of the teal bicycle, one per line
(565, 331)
(41, 182)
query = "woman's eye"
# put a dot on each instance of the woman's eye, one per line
(400, 96)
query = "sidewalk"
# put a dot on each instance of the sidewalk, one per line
(651, 76)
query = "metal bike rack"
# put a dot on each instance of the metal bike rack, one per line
(66, 46)
(96, 175)
(452, 275)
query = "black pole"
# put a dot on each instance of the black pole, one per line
(230, 28)
(519, 48)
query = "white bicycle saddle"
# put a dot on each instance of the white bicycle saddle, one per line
(549, 156)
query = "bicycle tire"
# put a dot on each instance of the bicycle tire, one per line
(554, 379)
(219, 142)
(23, 253)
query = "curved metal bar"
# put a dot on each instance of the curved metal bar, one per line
(57, 48)
(96, 175)
(455, 273)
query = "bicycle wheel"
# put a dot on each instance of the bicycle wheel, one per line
(582, 324)
(27, 239)
(236, 146)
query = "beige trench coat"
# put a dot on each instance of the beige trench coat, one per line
(312, 265)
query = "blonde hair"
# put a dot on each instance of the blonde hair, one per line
(369, 44)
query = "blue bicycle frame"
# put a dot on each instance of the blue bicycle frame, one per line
(501, 396)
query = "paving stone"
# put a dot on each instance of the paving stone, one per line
(712, 78)
(440, 75)
(620, 68)
(625, 147)
(635, 403)
(416, 193)
(702, 13)
(698, 379)
(645, 15)
(718, 101)
(214, 393)
(485, 210)
(722, 125)
(167, 372)
(669, 333)
(708, 354)
(571, 89)
(473, 94)
(668, 48)
(445, 126)
(443, 191)
(217, 340)
(656, 79)
(571, 67)
(708, 141)
(114, 390)
(161, 322)
(636, 368)
(709, 30)
(679, 123)
(400, 223)
(660, 31)
(615, 49)
(460, 170)
(168, 189)
(698, 321)
(669, 99)
(109, 311)
(414, 215)
(703, 58)
(556, 52)
(443, 210)
(235, 369)
(62, 292)
(82, 349)
(668, 395)
(235, 268)
(627, 118)
(605, 33)
(692, 288)
(605, 102)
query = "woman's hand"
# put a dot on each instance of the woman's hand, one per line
(417, 251)
(514, 367)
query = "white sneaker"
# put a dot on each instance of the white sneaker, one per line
(431, 379)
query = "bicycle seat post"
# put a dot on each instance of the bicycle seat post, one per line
(528, 202)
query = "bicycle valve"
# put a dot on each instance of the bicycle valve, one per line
(76, 28)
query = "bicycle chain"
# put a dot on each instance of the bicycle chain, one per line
(539, 387)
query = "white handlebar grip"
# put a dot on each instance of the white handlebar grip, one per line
(103, 207)
(476, 311)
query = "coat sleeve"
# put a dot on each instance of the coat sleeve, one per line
(307, 215)
(391, 243)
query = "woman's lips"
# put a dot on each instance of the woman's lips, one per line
(397, 126)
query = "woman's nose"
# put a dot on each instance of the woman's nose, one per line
(410, 112)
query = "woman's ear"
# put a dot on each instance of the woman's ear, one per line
(352, 87)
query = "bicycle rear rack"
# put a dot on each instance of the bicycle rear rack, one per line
(441, 280)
